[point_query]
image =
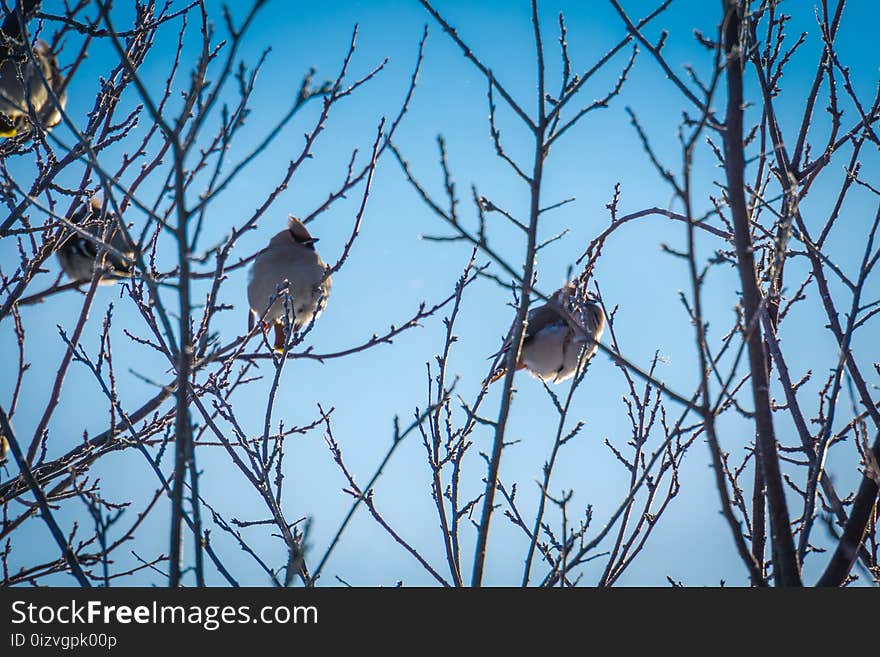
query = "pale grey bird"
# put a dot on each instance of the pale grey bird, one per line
(556, 333)
(289, 266)
(79, 255)
(26, 79)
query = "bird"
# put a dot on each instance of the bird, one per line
(289, 265)
(556, 333)
(28, 80)
(78, 254)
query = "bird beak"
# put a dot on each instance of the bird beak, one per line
(314, 240)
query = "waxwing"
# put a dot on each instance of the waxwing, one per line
(288, 267)
(557, 331)
(26, 79)
(78, 254)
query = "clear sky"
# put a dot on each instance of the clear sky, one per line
(391, 270)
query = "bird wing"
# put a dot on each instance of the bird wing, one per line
(81, 247)
(540, 318)
(49, 114)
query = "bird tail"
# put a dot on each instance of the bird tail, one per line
(498, 374)
(492, 378)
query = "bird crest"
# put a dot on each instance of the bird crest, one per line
(299, 232)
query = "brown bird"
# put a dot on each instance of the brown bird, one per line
(289, 266)
(28, 80)
(556, 333)
(78, 254)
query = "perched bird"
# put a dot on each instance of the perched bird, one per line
(288, 266)
(26, 79)
(4, 447)
(556, 333)
(78, 254)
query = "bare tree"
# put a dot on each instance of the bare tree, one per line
(182, 157)
(165, 165)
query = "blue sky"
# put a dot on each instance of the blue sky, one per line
(391, 270)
